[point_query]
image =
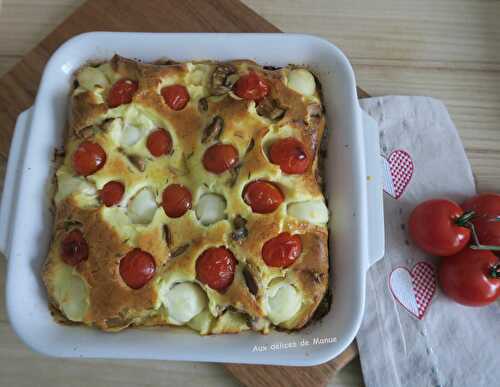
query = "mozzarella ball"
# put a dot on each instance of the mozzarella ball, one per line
(210, 208)
(302, 81)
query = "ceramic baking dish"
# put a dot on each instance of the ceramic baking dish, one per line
(353, 188)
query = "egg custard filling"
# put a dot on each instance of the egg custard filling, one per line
(188, 194)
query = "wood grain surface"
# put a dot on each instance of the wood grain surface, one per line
(18, 88)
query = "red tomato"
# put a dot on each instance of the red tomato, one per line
(175, 96)
(215, 267)
(122, 92)
(282, 250)
(136, 268)
(251, 86)
(88, 158)
(264, 197)
(471, 277)
(220, 158)
(437, 227)
(176, 200)
(290, 154)
(111, 193)
(74, 248)
(486, 218)
(159, 143)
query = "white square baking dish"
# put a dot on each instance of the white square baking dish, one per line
(353, 188)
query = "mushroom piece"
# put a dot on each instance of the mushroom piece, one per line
(270, 109)
(240, 231)
(223, 79)
(213, 130)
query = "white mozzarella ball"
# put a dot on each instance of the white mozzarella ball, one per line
(302, 81)
(183, 302)
(89, 77)
(313, 211)
(210, 208)
(142, 207)
(283, 301)
(131, 134)
(71, 293)
(67, 185)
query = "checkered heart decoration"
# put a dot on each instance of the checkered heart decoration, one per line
(397, 170)
(414, 289)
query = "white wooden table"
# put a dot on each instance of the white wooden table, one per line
(448, 49)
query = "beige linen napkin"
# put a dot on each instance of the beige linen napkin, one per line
(412, 334)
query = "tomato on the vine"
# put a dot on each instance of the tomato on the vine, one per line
(438, 227)
(486, 219)
(471, 277)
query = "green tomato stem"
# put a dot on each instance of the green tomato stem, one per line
(465, 218)
(495, 271)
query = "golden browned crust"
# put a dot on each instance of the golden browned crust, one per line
(112, 305)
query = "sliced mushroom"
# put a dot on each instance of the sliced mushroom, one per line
(250, 146)
(252, 285)
(203, 105)
(222, 79)
(270, 109)
(213, 130)
(179, 251)
(240, 231)
(87, 132)
(138, 162)
(167, 234)
(271, 68)
(234, 173)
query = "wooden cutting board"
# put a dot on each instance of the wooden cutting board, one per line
(18, 88)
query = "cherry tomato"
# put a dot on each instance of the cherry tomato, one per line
(159, 143)
(471, 277)
(215, 267)
(136, 268)
(220, 158)
(437, 227)
(88, 158)
(264, 197)
(290, 154)
(122, 92)
(111, 193)
(282, 250)
(486, 217)
(251, 86)
(74, 248)
(175, 96)
(176, 200)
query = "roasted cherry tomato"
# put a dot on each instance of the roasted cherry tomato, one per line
(159, 143)
(176, 200)
(251, 86)
(137, 268)
(282, 250)
(438, 227)
(122, 92)
(264, 197)
(486, 217)
(215, 267)
(111, 193)
(175, 96)
(74, 248)
(88, 158)
(220, 158)
(471, 277)
(290, 154)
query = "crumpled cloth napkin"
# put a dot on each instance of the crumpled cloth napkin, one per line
(440, 343)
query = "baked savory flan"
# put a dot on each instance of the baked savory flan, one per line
(188, 194)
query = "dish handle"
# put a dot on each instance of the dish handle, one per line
(11, 182)
(375, 202)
